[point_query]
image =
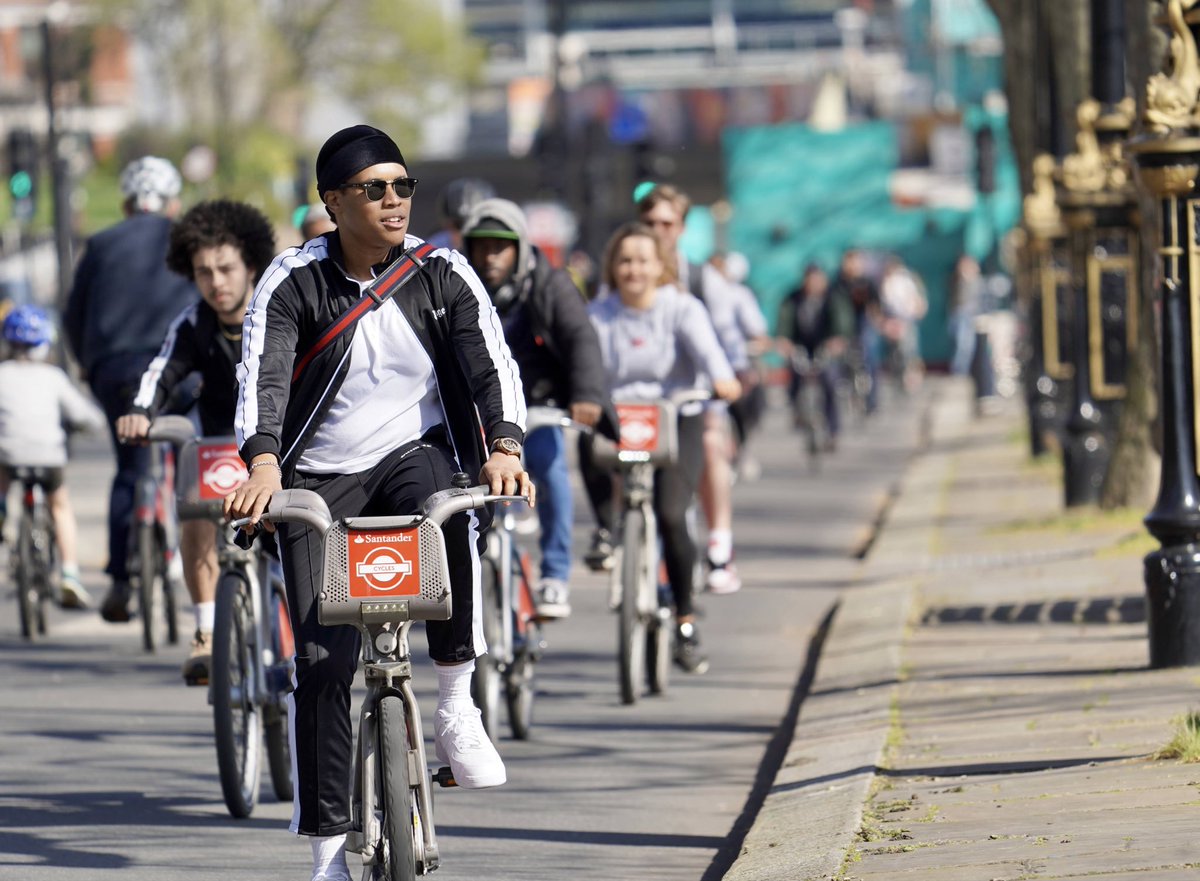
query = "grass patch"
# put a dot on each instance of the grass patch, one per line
(1135, 544)
(1083, 519)
(1184, 746)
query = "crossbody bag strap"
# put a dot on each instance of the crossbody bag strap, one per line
(377, 293)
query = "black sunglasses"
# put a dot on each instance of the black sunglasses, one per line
(375, 189)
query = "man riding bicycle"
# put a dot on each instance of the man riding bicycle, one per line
(223, 247)
(382, 414)
(546, 325)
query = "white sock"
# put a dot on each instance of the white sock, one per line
(454, 684)
(720, 546)
(329, 855)
(206, 616)
(70, 570)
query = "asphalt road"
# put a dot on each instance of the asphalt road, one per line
(107, 766)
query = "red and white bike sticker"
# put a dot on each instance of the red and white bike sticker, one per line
(383, 564)
(221, 470)
(639, 427)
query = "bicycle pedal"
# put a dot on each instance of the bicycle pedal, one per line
(445, 778)
(195, 680)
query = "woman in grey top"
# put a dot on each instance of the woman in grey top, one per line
(656, 340)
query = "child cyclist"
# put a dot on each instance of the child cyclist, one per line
(223, 247)
(37, 400)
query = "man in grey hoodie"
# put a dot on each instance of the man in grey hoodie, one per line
(547, 329)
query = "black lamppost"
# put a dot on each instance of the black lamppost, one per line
(1099, 205)
(1168, 164)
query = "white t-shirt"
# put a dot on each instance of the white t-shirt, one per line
(389, 397)
(36, 400)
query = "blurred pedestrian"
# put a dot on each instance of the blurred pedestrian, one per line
(965, 305)
(316, 222)
(123, 300)
(455, 203)
(904, 305)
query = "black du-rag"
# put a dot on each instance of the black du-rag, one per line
(349, 151)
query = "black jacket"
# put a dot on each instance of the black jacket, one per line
(124, 298)
(550, 335)
(305, 290)
(194, 344)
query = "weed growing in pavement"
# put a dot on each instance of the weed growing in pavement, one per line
(1185, 744)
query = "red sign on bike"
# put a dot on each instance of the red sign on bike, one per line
(383, 563)
(221, 470)
(639, 427)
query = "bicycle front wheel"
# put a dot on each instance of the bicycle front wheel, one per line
(236, 718)
(150, 585)
(486, 680)
(631, 627)
(279, 754)
(397, 794)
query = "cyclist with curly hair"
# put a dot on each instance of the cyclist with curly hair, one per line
(223, 247)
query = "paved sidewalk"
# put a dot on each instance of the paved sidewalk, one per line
(982, 709)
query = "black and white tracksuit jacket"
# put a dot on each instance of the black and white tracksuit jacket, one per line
(194, 343)
(306, 289)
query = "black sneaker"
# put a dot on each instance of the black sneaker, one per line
(115, 607)
(599, 557)
(688, 656)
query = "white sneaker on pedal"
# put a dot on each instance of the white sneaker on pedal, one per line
(723, 578)
(460, 741)
(553, 598)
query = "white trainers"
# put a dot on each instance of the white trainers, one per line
(553, 598)
(723, 579)
(460, 741)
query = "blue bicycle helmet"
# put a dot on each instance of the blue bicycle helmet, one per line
(28, 326)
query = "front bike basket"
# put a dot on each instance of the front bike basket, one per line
(648, 434)
(209, 469)
(381, 569)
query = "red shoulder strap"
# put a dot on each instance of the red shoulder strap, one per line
(387, 283)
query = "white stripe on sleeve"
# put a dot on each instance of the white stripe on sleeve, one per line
(145, 395)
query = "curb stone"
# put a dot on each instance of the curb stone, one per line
(814, 808)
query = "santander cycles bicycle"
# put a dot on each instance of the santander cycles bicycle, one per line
(34, 559)
(253, 649)
(510, 624)
(645, 622)
(380, 575)
(154, 568)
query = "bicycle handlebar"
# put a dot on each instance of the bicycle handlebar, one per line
(307, 507)
(174, 429)
(545, 417)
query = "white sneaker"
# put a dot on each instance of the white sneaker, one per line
(553, 598)
(335, 877)
(723, 579)
(460, 741)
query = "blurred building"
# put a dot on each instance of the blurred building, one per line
(670, 73)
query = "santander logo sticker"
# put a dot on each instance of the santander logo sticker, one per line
(221, 470)
(383, 563)
(639, 426)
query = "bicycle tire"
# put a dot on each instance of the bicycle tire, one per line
(26, 579)
(275, 714)
(519, 693)
(236, 718)
(631, 627)
(658, 654)
(170, 605)
(396, 794)
(150, 593)
(487, 680)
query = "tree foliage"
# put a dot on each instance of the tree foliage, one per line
(231, 64)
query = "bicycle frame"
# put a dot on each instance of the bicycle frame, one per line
(383, 620)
